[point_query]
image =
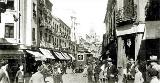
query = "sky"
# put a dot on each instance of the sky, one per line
(90, 14)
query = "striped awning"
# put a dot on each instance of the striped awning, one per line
(60, 56)
(73, 58)
(47, 53)
(65, 56)
(38, 55)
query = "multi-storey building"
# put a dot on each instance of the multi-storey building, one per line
(45, 24)
(109, 38)
(27, 26)
(19, 26)
(136, 24)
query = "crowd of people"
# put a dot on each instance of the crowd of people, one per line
(95, 72)
(43, 70)
(107, 72)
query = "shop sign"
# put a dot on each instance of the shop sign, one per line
(13, 56)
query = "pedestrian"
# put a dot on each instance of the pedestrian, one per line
(138, 75)
(60, 71)
(80, 68)
(4, 77)
(65, 67)
(90, 73)
(96, 73)
(55, 75)
(111, 71)
(130, 69)
(73, 66)
(38, 77)
(101, 74)
(153, 73)
(20, 75)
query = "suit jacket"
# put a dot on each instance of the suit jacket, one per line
(111, 71)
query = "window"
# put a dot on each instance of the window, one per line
(9, 30)
(40, 35)
(53, 40)
(45, 36)
(49, 39)
(10, 4)
(34, 9)
(33, 34)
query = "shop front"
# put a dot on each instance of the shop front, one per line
(15, 58)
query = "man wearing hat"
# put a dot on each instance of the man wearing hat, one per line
(111, 71)
(38, 77)
(153, 65)
(130, 69)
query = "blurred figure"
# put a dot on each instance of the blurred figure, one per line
(55, 75)
(111, 72)
(138, 75)
(153, 73)
(20, 75)
(38, 77)
(4, 77)
(97, 70)
(90, 73)
(73, 66)
(80, 68)
(102, 77)
(60, 71)
(130, 70)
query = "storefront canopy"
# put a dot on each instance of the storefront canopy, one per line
(11, 54)
(65, 55)
(47, 53)
(38, 56)
(73, 58)
(59, 55)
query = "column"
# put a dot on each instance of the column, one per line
(138, 41)
(121, 60)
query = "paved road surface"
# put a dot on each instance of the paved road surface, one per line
(71, 78)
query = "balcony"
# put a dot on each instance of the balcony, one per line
(126, 15)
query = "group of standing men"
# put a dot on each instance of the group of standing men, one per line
(101, 72)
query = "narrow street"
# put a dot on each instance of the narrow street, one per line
(70, 78)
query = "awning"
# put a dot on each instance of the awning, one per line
(11, 54)
(65, 56)
(38, 56)
(59, 55)
(47, 53)
(73, 58)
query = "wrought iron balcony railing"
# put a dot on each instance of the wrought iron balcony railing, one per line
(127, 13)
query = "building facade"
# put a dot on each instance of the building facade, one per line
(127, 23)
(27, 26)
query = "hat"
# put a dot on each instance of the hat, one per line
(109, 59)
(153, 58)
(131, 60)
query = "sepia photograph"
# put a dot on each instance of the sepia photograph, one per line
(79, 41)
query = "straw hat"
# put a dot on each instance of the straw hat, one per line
(109, 60)
(153, 58)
